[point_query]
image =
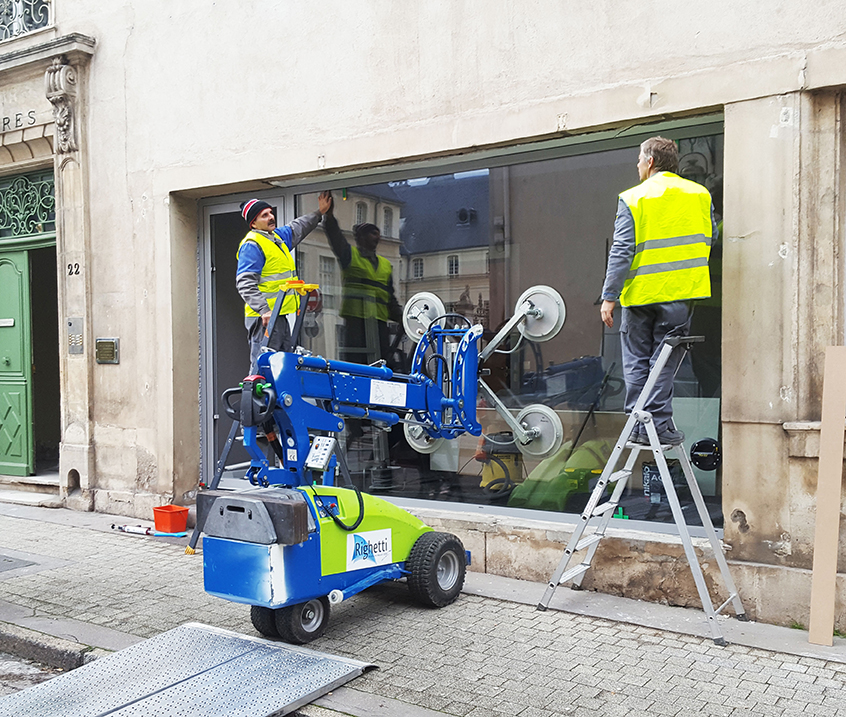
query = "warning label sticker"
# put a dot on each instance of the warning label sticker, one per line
(385, 393)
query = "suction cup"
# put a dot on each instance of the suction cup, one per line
(419, 440)
(553, 312)
(705, 454)
(419, 312)
(547, 422)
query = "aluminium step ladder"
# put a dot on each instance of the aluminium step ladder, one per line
(603, 511)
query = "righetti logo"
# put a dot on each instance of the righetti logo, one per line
(366, 550)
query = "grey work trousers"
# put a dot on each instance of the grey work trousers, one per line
(257, 339)
(642, 332)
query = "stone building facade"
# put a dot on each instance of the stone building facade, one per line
(157, 119)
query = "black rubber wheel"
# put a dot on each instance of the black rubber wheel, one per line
(264, 620)
(437, 564)
(303, 622)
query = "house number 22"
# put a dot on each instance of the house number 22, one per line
(73, 269)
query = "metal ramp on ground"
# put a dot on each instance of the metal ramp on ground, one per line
(191, 670)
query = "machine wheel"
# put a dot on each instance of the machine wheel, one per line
(303, 622)
(437, 564)
(264, 620)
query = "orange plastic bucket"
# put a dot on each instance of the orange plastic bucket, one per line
(170, 518)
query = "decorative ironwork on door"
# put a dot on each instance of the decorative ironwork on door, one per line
(27, 205)
(19, 17)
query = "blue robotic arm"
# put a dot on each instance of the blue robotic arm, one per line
(295, 395)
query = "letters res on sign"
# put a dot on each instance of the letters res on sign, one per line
(17, 120)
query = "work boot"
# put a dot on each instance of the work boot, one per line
(639, 436)
(670, 437)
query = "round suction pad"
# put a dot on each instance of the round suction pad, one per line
(419, 312)
(551, 433)
(553, 312)
(705, 454)
(419, 440)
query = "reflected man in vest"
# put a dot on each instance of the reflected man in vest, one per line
(369, 301)
(265, 261)
(657, 266)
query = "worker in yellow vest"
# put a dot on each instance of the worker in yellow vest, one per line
(265, 261)
(369, 301)
(657, 267)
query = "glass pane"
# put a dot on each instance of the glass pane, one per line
(27, 205)
(19, 17)
(478, 240)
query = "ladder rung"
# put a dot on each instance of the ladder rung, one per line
(619, 475)
(602, 509)
(722, 607)
(589, 540)
(580, 569)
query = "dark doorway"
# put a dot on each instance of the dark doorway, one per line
(45, 359)
(231, 354)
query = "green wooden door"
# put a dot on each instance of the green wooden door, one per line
(17, 455)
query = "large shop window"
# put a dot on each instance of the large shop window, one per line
(515, 226)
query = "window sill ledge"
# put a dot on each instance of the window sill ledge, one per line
(803, 438)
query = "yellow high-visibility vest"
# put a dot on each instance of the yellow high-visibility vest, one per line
(366, 292)
(279, 267)
(672, 220)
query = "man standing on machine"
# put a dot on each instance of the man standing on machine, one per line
(265, 262)
(657, 266)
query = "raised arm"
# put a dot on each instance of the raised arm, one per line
(293, 233)
(337, 241)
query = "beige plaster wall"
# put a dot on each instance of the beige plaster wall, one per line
(204, 97)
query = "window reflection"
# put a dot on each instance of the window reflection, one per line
(478, 240)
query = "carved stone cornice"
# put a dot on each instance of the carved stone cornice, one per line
(61, 88)
(77, 48)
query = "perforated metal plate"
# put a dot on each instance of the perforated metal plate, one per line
(191, 670)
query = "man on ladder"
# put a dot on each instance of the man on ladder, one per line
(657, 266)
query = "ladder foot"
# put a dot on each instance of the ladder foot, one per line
(720, 641)
(743, 617)
(541, 607)
(575, 587)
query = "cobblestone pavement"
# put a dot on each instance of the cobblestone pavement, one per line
(479, 657)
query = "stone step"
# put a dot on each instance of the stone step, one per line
(43, 483)
(28, 497)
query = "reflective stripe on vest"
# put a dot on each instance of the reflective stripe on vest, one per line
(278, 267)
(366, 292)
(672, 220)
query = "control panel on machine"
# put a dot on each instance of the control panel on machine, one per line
(327, 505)
(320, 453)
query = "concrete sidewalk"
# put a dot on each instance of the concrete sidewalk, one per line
(71, 587)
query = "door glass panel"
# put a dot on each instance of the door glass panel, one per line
(27, 205)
